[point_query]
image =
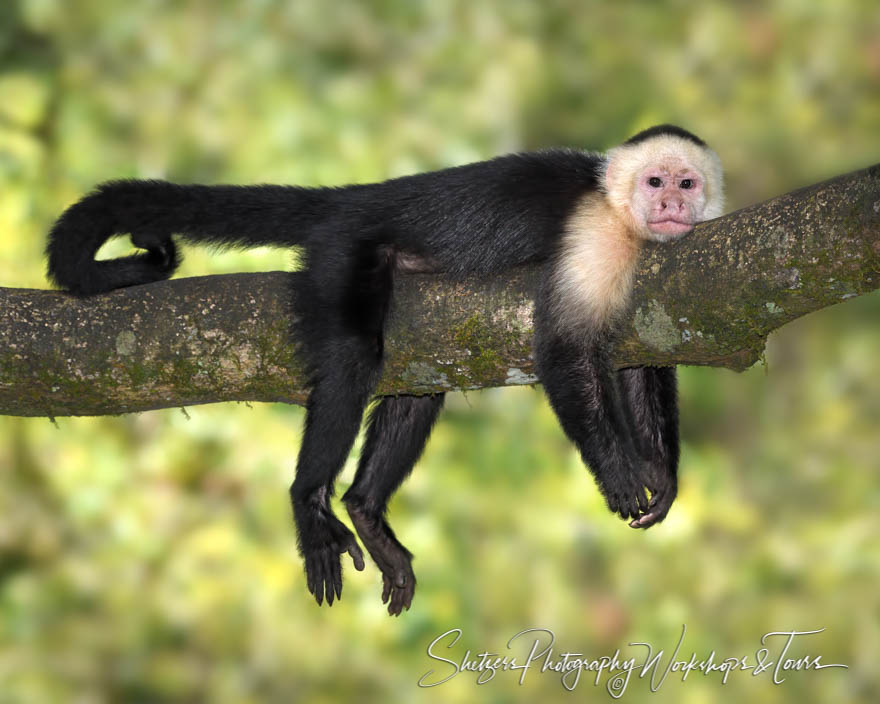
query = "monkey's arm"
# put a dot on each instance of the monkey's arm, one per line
(581, 389)
(650, 400)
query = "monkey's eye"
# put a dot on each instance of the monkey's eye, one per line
(687, 183)
(655, 182)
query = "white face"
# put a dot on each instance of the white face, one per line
(669, 199)
(664, 186)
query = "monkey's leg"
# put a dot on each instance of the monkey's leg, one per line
(333, 416)
(651, 401)
(582, 391)
(342, 299)
(397, 430)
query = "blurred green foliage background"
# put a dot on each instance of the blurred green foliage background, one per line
(151, 558)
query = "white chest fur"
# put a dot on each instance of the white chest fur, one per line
(594, 271)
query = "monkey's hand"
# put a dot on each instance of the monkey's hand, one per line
(322, 539)
(394, 560)
(663, 485)
(625, 492)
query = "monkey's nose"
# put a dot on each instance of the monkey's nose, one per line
(673, 204)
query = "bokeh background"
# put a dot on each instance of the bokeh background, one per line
(151, 558)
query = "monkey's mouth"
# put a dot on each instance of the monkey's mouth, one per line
(670, 226)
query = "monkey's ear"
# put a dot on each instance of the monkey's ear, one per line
(608, 176)
(610, 184)
(612, 171)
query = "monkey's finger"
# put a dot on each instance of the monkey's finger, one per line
(386, 588)
(331, 563)
(646, 521)
(357, 555)
(659, 498)
(312, 580)
(629, 508)
(396, 604)
(638, 501)
(639, 521)
(642, 500)
(327, 579)
(408, 597)
(612, 503)
(316, 585)
(657, 514)
(337, 577)
(635, 506)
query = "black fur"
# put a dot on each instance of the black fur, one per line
(658, 130)
(480, 218)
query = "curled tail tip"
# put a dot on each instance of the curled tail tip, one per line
(78, 234)
(84, 276)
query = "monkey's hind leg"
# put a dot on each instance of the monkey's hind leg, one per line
(333, 416)
(341, 304)
(397, 430)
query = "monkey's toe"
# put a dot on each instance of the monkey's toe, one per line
(398, 591)
(324, 576)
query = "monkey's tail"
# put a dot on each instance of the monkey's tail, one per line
(152, 211)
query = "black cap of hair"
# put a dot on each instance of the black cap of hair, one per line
(659, 130)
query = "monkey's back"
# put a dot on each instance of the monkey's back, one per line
(481, 217)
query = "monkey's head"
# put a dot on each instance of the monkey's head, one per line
(663, 181)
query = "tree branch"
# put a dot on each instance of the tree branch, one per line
(711, 298)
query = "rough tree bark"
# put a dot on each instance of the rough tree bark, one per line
(711, 298)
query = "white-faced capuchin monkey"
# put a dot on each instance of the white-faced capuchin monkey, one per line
(580, 215)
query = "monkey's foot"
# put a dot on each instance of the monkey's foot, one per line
(394, 560)
(323, 538)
